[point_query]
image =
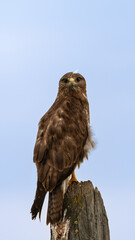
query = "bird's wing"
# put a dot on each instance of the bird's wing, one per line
(56, 148)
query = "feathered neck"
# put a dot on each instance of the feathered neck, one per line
(72, 93)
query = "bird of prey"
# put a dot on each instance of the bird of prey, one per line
(63, 141)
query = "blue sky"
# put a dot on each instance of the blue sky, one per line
(39, 42)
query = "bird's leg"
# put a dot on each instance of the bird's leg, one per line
(73, 179)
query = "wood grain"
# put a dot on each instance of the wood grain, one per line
(84, 208)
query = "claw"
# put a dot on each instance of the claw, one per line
(73, 179)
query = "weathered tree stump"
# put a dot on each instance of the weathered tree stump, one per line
(84, 215)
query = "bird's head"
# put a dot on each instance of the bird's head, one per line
(72, 83)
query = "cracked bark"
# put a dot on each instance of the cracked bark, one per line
(85, 209)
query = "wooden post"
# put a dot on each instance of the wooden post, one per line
(84, 215)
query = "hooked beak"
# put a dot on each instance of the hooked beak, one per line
(72, 82)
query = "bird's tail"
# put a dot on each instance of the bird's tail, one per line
(55, 205)
(39, 200)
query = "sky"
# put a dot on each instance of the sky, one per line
(39, 42)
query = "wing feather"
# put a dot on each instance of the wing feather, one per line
(59, 144)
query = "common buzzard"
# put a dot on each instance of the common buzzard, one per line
(63, 141)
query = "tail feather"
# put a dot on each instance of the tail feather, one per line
(39, 200)
(55, 205)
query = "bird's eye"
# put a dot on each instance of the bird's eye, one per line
(65, 80)
(78, 79)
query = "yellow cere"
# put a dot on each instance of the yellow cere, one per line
(72, 80)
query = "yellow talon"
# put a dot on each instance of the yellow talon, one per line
(73, 179)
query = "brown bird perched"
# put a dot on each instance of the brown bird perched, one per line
(63, 141)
